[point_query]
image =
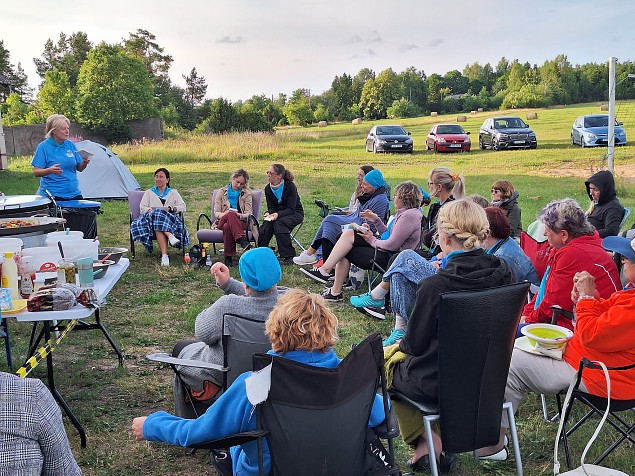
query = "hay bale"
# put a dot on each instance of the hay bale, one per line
(461, 118)
(604, 107)
(434, 113)
(480, 109)
(357, 121)
(473, 112)
(532, 115)
(322, 124)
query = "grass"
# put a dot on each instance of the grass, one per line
(152, 307)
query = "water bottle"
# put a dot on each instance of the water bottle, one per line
(208, 261)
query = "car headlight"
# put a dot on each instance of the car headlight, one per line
(441, 140)
(467, 140)
(408, 141)
(532, 134)
(500, 135)
(381, 141)
(591, 135)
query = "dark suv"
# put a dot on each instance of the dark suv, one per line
(506, 132)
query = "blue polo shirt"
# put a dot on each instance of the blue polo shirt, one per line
(49, 153)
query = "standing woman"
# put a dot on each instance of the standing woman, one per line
(159, 207)
(284, 212)
(504, 196)
(232, 208)
(56, 161)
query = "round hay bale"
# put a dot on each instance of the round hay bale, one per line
(604, 107)
(434, 113)
(480, 109)
(532, 115)
(357, 121)
(461, 118)
(322, 124)
(473, 112)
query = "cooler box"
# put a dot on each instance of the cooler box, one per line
(81, 215)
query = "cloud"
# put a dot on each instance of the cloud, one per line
(436, 42)
(231, 40)
(353, 39)
(405, 48)
(374, 37)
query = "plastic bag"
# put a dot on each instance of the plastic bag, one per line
(53, 299)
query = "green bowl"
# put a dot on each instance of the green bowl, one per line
(548, 335)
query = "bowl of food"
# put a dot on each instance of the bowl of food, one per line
(114, 254)
(548, 336)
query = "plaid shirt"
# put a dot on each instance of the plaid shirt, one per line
(32, 437)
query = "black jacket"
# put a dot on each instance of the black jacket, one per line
(512, 210)
(607, 214)
(417, 376)
(288, 205)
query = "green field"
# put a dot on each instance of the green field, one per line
(152, 307)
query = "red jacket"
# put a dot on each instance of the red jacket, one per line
(605, 331)
(584, 253)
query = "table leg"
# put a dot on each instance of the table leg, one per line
(110, 339)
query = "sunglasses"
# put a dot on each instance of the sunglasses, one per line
(496, 190)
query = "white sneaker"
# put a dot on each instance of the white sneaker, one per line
(305, 258)
(165, 260)
(174, 241)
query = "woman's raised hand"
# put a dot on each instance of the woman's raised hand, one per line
(220, 273)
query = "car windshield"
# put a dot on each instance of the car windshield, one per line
(596, 121)
(510, 122)
(450, 129)
(390, 130)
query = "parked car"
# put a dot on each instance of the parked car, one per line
(506, 132)
(593, 130)
(388, 139)
(448, 138)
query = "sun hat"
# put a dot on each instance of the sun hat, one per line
(623, 246)
(375, 179)
(259, 269)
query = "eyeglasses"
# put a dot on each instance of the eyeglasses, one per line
(271, 172)
(496, 190)
(430, 184)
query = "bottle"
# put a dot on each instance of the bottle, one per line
(10, 275)
(187, 258)
(208, 261)
(27, 275)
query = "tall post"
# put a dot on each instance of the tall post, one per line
(611, 132)
(4, 162)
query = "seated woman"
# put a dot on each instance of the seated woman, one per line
(504, 196)
(577, 247)
(254, 298)
(462, 226)
(606, 211)
(284, 212)
(301, 328)
(362, 246)
(159, 207)
(605, 332)
(232, 208)
(372, 197)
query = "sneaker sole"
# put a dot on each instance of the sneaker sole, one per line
(372, 312)
(304, 263)
(339, 299)
(306, 272)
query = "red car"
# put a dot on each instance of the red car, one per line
(448, 138)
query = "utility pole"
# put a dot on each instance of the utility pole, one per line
(611, 138)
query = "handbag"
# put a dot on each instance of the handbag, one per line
(585, 469)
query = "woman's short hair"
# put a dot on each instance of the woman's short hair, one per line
(301, 321)
(367, 168)
(53, 122)
(165, 171)
(499, 226)
(566, 214)
(465, 221)
(409, 193)
(282, 170)
(453, 183)
(241, 173)
(506, 188)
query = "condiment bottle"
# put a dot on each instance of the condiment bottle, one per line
(10, 275)
(27, 275)
(65, 272)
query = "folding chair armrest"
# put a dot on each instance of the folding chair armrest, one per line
(198, 221)
(558, 311)
(586, 363)
(231, 440)
(168, 359)
(389, 428)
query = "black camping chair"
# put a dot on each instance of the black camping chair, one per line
(482, 324)
(597, 406)
(242, 337)
(316, 419)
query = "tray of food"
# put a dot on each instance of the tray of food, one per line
(15, 226)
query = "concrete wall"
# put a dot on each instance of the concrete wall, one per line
(23, 140)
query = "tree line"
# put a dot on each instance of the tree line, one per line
(104, 86)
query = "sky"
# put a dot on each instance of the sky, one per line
(252, 47)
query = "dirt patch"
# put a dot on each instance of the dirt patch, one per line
(625, 171)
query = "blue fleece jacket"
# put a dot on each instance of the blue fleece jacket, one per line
(232, 413)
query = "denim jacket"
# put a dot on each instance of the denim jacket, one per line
(514, 256)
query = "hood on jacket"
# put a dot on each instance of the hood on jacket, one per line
(474, 269)
(605, 182)
(511, 200)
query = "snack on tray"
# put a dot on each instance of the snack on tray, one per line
(53, 299)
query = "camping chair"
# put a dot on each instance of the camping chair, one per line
(134, 203)
(316, 419)
(472, 382)
(597, 406)
(4, 334)
(627, 212)
(242, 337)
(536, 251)
(213, 236)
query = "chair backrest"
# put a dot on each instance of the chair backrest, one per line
(256, 199)
(134, 202)
(627, 212)
(242, 338)
(316, 417)
(482, 324)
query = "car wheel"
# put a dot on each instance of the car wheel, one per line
(366, 147)
(495, 145)
(582, 142)
(572, 140)
(427, 146)
(435, 148)
(480, 143)
(374, 148)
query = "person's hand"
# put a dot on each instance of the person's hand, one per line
(367, 235)
(220, 273)
(55, 169)
(137, 428)
(522, 319)
(273, 216)
(583, 285)
(85, 162)
(347, 211)
(220, 215)
(369, 215)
